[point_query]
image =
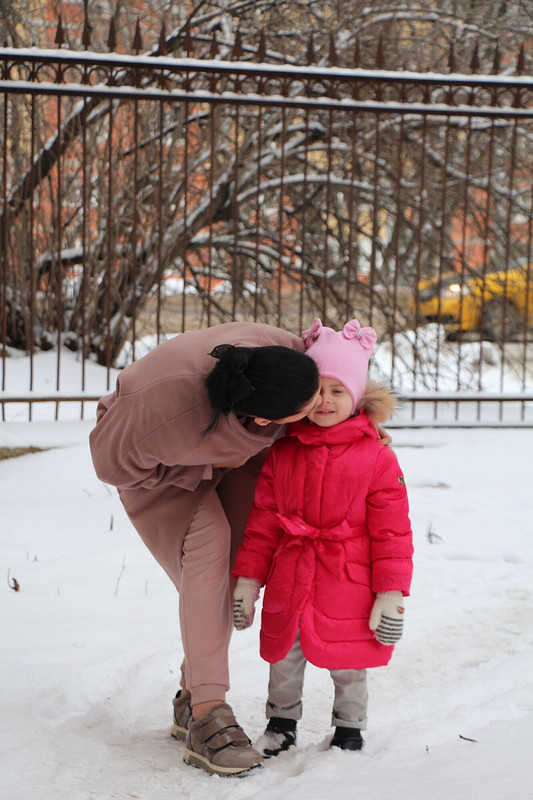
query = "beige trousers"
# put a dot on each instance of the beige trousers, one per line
(285, 689)
(196, 545)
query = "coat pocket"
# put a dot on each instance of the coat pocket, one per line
(352, 630)
(358, 573)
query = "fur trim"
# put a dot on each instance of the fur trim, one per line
(378, 401)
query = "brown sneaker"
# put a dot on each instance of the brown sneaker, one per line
(182, 714)
(218, 744)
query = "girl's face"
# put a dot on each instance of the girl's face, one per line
(335, 404)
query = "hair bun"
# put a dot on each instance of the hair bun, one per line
(233, 384)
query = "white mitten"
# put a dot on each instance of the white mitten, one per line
(386, 618)
(245, 597)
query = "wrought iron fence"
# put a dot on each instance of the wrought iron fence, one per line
(142, 196)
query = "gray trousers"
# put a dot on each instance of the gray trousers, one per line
(285, 689)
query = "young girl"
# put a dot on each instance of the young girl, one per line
(329, 535)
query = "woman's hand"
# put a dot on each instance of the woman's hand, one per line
(384, 436)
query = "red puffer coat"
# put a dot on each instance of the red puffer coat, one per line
(328, 529)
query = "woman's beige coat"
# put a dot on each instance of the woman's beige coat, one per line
(149, 439)
(150, 442)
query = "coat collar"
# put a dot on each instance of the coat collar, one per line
(344, 433)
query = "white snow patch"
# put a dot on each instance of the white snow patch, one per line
(91, 647)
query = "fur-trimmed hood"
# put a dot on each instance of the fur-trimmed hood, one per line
(378, 401)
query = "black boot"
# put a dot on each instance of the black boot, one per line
(279, 735)
(347, 739)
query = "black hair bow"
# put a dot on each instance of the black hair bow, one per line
(239, 387)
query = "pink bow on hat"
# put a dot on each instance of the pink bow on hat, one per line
(353, 330)
(312, 333)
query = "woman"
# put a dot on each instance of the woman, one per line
(183, 438)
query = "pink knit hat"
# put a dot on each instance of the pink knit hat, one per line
(343, 355)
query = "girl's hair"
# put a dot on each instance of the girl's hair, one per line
(271, 382)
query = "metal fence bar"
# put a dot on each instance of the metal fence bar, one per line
(84, 262)
(4, 248)
(258, 212)
(59, 277)
(134, 226)
(281, 212)
(396, 242)
(160, 225)
(109, 245)
(209, 66)
(528, 297)
(465, 399)
(212, 175)
(273, 101)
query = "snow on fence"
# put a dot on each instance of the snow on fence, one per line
(145, 195)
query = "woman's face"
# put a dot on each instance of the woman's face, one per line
(302, 413)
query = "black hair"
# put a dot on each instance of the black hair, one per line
(271, 382)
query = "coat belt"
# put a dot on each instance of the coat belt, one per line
(296, 526)
(329, 544)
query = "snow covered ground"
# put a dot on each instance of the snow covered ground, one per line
(91, 649)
